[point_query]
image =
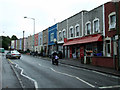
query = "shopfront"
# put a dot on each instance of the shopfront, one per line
(85, 47)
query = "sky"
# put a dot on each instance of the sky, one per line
(45, 12)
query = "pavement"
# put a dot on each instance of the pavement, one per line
(77, 63)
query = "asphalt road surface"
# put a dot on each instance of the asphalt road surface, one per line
(62, 76)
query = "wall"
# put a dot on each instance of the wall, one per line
(91, 16)
(52, 29)
(103, 61)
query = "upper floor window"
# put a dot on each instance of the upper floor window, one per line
(45, 39)
(64, 34)
(52, 37)
(77, 29)
(71, 31)
(96, 26)
(88, 28)
(60, 36)
(112, 20)
(40, 41)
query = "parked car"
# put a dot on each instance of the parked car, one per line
(13, 54)
(2, 50)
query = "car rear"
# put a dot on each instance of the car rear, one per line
(15, 54)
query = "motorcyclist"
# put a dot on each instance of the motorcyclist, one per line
(55, 58)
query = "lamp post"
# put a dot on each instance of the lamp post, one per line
(33, 29)
(23, 40)
(55, 41)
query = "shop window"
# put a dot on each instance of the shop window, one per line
(88, 28)
(96, 26)
(112, 20)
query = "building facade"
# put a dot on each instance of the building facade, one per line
(40, 42)
(52, 39)
(45, 42)
(61, 36)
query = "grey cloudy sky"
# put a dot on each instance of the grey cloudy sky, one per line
(45, 12)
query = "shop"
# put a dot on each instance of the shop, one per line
(86, 47)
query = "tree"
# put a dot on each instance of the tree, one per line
(14, 37)
(5, 42)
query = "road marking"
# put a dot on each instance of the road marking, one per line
(17, 66)
(107, 75)
(69, 75)
(116, 86)
(10, 61)
(73, 77)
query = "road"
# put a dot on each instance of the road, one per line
(63, 76)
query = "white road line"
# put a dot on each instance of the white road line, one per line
(107, 75)
(69, 76)
(116, 86)
(73, 77)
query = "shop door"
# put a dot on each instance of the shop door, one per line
(81, 51)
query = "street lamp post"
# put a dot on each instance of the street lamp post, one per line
(23, 40)
(33, 29)
(55, 41)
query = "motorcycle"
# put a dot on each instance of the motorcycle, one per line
(55, 59)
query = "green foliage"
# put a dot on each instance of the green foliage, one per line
(14, 37)
(5, 42)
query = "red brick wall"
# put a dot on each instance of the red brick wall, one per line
(103, 61)
(109, 8)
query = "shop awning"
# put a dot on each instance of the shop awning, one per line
(87, 39)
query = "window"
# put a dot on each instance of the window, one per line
(77, 28)
(112, 20)
(88, 28)
(52, 37)
(96, 26)
(45, 39)
(64, 34)
(71, 32)
(60, 36)
(108, 47)
(40, 41)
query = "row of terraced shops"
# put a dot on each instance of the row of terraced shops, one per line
(89, 35)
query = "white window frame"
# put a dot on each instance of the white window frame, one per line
(51, 38)
(76, 30)
(108, 39)
(98, 29)
(112, 26)
(70, 32)
(45, 39)
(86, 27)
(60, 36)
(63, 33)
